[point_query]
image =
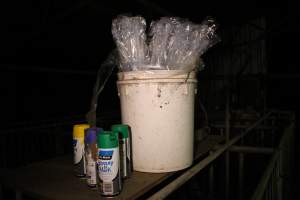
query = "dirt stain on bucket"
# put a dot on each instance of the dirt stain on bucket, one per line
(158, 92)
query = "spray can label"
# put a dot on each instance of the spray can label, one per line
(79, 160)
(109, 171)
(90, 170)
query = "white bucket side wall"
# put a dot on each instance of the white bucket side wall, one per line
(161, 116)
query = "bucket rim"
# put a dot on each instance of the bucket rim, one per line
(156, 74)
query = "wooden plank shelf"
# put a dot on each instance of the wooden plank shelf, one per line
(54, 179)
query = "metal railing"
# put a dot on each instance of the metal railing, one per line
(276, 180)
(27, 142)
(272, 185)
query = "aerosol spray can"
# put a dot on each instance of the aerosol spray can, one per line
(125, 149)
(78, 145)
(90, 144)
(108, 164)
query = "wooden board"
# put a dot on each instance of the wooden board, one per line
(54, 179)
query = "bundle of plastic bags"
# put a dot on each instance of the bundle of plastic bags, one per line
(173, 43)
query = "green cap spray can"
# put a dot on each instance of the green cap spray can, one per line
(108, 163)
(125, 148)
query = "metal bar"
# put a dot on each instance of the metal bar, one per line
(258, 194)
(211, 178)
(51, 124)
(274, 164)
(292, 155)
(272, 132)
(253, 76)
(1, 191)
(3, 152)
(227, 174)
(227, 118)
(48, 70)
(168, 189)
(221, 132)
(241, 126)
(69, 118)
(262, 137)
(250, 149)
(241, 175)
(279, 182)
(227, 137)
(241, 172)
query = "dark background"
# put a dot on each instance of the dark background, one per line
(50, 51)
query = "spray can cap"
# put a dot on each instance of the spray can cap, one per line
(107, 139)
(78, 130)
(123, 129)
(90, 135)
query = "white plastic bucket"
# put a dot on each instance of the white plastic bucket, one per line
(159, 108)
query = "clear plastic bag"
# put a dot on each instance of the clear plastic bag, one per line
(130, 37)
(175, 44)
(188, 43)
(161, 33)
